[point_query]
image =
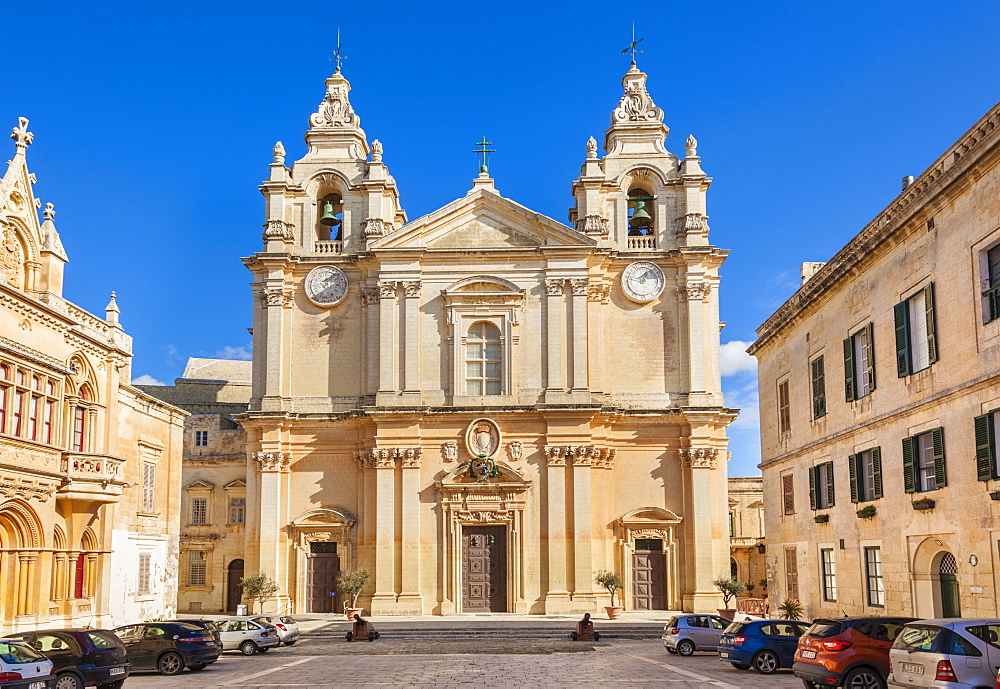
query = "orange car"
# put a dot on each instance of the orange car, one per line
(847, 651)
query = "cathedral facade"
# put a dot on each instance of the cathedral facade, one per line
(485, 406)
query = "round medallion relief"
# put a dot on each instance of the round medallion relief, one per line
(483, 438)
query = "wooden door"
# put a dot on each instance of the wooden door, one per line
(234, 594)
(649, 575)
(484, 569)
(322, 573)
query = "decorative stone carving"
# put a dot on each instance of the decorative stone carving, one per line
(591, 148)
(411, 288)
(594, 225)
(365, 459)
(279, 153)
(387, 290)
(50, 211)
(694, 291)
(699, 457)
(691, 146)
(484, 516)
(11, 258)
(19, 488)
(483, 438)
(271, 461)
(554, 286)
(603, 457)
(368, 296)
(409, 457)
(376, 151)
(579, 286)
(335, 110)
(601, 293)
(583, 455)
(692, 223)
(276, 296)
(384, 458)
(21, 136)
(374, 227)
(449, 450)
(278, 229)
(555, 455)
(636, 105)
(317, 536)
(515, 450)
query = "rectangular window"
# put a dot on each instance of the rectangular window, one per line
(34, 404)
(79, 414)
(866, 475)
(818, 387)
(829, 574)
(237, 510)
(788, 494)
(18, 410)
(50, 410)
(201, 438)
(791, 574)
(148, 487)
(916, 341)
(859, 364)
(199, 510)
(987, 428)
(3, 409)
(991, 293)
(732, 525)
(821, 495)
(924, 462)
(873, 577)
(143, 573)
(197, 564)
(784, 409)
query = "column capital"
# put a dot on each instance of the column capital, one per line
(411, 288)
(579, 286)
(699, 457)
(271, 461)
(555, 455)
(386, 289)
(554, 286)
(693, 291)
(276, 296)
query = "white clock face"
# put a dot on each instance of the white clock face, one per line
(643, 281)
(326, 285)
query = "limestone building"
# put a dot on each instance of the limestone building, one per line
(746, 532)
(879, 398)
(213, 496)
(485, 405)
(89, 465)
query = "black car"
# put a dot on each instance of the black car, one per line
(81, 657)
(168, 647)
(205, 624)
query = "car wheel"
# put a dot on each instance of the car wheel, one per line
(672, 651)
(765, 662)
(863, 678)
(68, 681)
(685, 648)
(197, 667)
(349, 636)
(170, 664)
(740, 666)
(248, 648)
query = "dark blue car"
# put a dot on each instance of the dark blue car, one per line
(764, 645)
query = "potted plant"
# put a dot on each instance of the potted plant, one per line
(259, 587)
(750, 586)
(763, 585)
(866, 512)
(923, 504)
(612, 581)
(790, 610)
(349, 586)
(729, 588)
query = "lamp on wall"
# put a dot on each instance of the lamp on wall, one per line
(761, 548)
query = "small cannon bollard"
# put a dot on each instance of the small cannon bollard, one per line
(362, 629)
(585, 630)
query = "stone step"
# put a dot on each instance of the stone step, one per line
(387, 631)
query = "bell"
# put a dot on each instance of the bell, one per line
(328, 219)
(640, 218)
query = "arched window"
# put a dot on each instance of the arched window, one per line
(483, 360)
(640, 213)
(734, 569)
(329, 218)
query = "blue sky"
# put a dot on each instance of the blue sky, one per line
(154, 124)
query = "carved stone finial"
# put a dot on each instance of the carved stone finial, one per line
(591, 148)
(111, 311)
(636, 105)
(21, 136)
(279, 153)
(691, 146)
(49, 211)
(335, 110)
(376, 151)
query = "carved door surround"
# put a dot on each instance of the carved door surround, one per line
(655, 523)
(323, 525)
(466, 502)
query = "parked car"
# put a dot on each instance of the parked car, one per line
(22, 667)
(847, 651)
(208, 625)
(288, 630)
(764, 645)
(81, 657)
(686, 634)
(168, 647)
(951, 652)
(247, 636)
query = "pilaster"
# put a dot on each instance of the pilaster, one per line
(583, 537)
(384, 598)
(699, 593)
(580, 368)
(271, 468)
(411, 339)
(557, 599)
(410, 601)
(555, 384)
(387, 340)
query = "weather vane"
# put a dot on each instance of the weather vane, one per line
(339, 59)
(483, 151)
(633, 46)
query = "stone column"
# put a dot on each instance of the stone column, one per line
(70, 574)
(270, 514)
(387, 340)
(90, 576)
(581, 377)
(557, 597)
(411, 338)
(699, 593)
(274, 299)
(23, 578)
(56, 577)
(599, 294)
(555, 376)
(583, 570)
(694, 295)
(410, 601)
(384, 599)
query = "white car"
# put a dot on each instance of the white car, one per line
(22, 667)
(247, 636)
(288, 631)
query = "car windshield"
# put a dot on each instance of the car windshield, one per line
(287, 620)
(823, 629)
(735, 628)
(16, 654)
(920, 638)
(101, 639)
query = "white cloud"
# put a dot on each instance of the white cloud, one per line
(734, 359)
(239, 353)
(744, 433)
(146, 379)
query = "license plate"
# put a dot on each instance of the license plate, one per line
(913, 669)
(36, 685)
(116, 671)
(723, 654)
(808, 654)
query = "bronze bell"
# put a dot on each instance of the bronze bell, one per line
(328, 219)
(640, 218)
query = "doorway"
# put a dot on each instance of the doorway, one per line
(321, 575)
(649, 575)
(484, 569)
(951, 604)
(234, 594)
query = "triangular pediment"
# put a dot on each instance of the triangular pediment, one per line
(201, 484)
(482, 220)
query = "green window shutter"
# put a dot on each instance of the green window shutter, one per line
(818, 388)
(902, 318)
(986, 453)
(852, 466)
(909, 477)
(870, 330)
(940, 472)
(929, 313)
(877, 471)
(829, 484)
(812, 488)
(849, 369)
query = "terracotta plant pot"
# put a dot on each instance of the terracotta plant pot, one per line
(614, 613)
(351, 612)
(728, 613)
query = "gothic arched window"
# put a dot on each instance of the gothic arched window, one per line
(483, 360)
(640, 213)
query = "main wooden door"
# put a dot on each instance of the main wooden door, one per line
(234, 594)
(321, 576)
(484, 569)
(649, 575)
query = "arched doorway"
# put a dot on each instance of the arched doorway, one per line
(734, 570)
(234, 594)
(934, 573)
(951, 604)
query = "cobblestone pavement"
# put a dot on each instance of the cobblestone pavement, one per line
(340, 664)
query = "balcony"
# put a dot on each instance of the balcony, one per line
(91, 478)
(743, 542)
(642, 243)
(331, 246)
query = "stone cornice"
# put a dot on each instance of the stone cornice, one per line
(975, 145)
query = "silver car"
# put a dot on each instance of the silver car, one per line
(288, 631)
(952, 652)
(686, 634)
(246, 635)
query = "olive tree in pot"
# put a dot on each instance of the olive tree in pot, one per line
(729, 588)
(612, 581)
(259, 587)
(349, 586)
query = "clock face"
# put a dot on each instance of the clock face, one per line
(643, 281)
(326, 285)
